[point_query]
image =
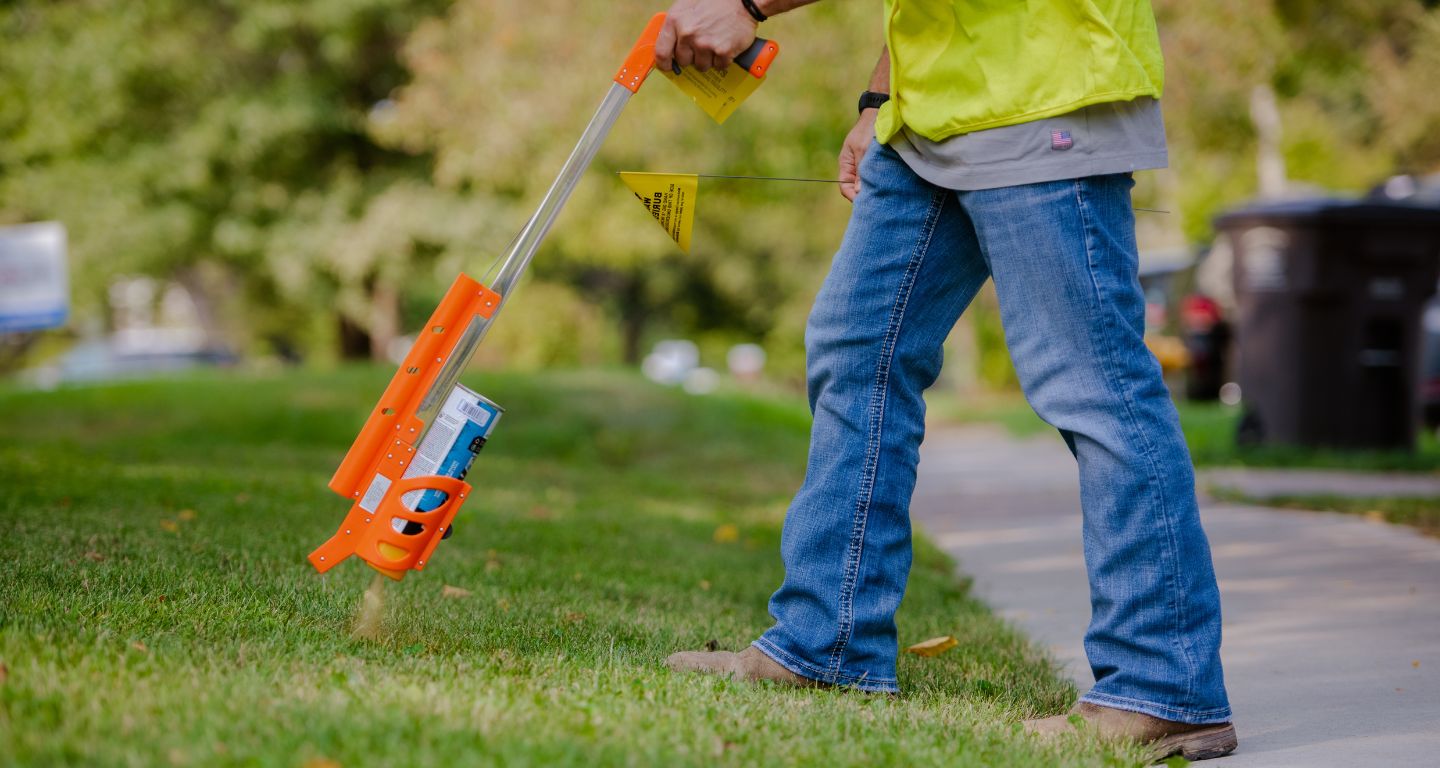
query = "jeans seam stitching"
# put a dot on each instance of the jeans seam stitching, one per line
(872, 443)
(769, 647)
(1104, 697)
(1158, 494)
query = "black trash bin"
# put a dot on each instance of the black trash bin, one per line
(1329, 295)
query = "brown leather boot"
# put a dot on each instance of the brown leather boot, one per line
(1165, 738)
(748, 665)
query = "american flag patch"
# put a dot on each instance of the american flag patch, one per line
(1061, 140)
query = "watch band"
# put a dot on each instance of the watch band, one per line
(872, 100)
(753, 10)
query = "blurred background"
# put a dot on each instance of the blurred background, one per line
(264, 183)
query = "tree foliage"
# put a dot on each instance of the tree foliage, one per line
(1350, 79)
(168, 135)
(500, 100)
(341, 160)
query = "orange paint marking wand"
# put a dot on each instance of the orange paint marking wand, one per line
(398, 515)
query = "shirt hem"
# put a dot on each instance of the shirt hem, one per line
(1000, 122)
(1059, 169)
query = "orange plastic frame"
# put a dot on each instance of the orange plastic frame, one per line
(386, 445)
(641, 58)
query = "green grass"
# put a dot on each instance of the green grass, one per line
(1209, 431)
(1007, 409)
(1421, 513)
(156, 609)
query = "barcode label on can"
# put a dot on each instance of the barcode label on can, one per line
(449, 447)
(477, 413)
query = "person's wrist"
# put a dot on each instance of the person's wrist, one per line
(774, 7)
(872, 100)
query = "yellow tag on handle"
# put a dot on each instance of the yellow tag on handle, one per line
(719, 91)
(670, 198)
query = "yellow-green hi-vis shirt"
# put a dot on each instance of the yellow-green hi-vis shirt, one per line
(958, 66)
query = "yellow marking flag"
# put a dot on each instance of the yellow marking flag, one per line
(670, 198)
(718, 92)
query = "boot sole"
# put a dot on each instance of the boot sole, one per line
(1202, 744)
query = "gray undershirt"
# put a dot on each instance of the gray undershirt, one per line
(1115, 137)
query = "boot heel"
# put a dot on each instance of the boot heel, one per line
(1209, 743)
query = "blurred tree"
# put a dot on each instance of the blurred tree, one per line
(179, 139)
(321, 170)
(1347, 79)
(500, 97)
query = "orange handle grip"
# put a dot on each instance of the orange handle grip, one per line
(757, 58)
(641, 57)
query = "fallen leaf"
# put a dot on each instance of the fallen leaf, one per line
(727, 534)
(503, 604)
(704, 585)
(934, 646)
(139, 646)
(540, 512)
(1374, 515)
(170, 525)
(94, 556)
(449, 591)
(187, 515)
(574, 617)
(1415, 663)
(4, 674)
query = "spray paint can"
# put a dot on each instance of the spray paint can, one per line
(460, 430)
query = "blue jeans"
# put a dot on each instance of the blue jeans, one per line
(1063, 258)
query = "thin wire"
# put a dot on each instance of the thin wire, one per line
(490, 270)
(766, 178)
(829, 181)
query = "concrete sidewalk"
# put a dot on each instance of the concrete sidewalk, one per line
(1332, 623)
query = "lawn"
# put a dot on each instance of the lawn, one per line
(1421, 512)
(156, 608)
(1209, 431)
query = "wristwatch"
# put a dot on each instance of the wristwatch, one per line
(872, 100)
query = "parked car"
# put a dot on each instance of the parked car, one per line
(105, 360)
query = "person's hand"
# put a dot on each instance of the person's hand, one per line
(853, 151)
(704, 34)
